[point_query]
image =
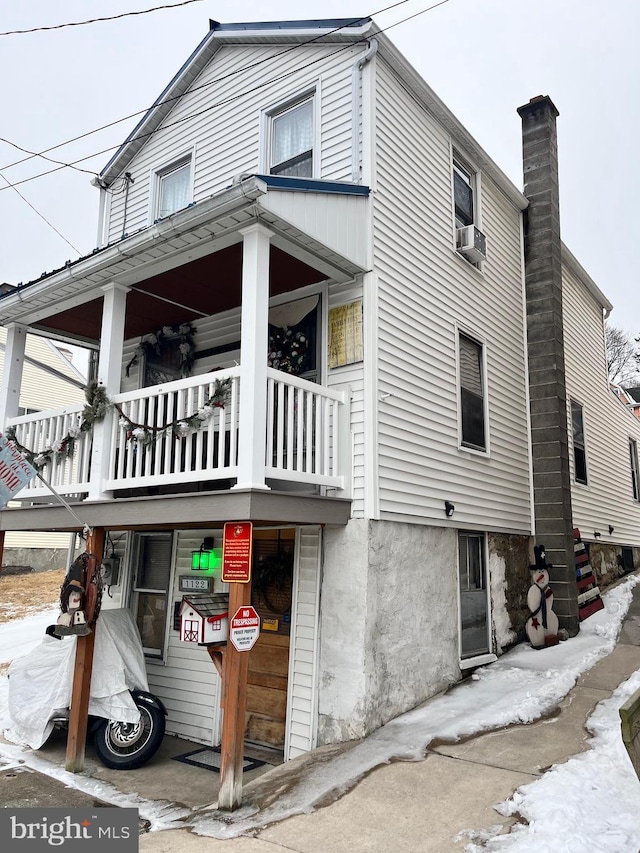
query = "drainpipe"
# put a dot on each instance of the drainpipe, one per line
(356, 79)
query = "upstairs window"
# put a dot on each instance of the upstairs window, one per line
(173, 188)
(291, 140)
(472, 393)
(579, 450)
(635, 470)
(463, 194)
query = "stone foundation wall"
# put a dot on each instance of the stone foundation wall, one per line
(509, 559)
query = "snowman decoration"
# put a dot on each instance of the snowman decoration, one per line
(542, 625)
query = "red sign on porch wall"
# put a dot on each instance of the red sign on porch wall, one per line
(236, 552)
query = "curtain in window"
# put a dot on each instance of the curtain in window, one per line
(174, 191)
(292, 133)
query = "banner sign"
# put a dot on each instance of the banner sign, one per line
(15, 471)
(236, 552)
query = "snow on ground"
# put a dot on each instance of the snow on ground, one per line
(587, 805)
(518, 688)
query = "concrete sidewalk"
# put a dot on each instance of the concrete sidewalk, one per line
(404, 805)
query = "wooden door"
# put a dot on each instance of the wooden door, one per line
(267, 681)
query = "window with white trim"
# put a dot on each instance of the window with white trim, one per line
(472, 393)
(291, 138)
(635, 469)
(173, 190)
(579, 447)
(151, 578)
(464, 186)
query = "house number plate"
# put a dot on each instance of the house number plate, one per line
(189, 583)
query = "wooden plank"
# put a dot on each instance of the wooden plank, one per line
(234, 700)
(630, 724)
(263, 730)
(1, 548)
(261, 698)
(267, 679)
(79, 711)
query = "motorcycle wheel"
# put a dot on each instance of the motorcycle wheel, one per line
(125, 746)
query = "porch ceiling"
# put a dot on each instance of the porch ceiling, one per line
(194, 258)
(206, 285)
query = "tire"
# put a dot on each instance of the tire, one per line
(125, 746)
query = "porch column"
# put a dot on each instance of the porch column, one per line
(253, 357)
(109, 373)
(12, 374)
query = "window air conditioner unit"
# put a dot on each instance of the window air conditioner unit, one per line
(471, 243)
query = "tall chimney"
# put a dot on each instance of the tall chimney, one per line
(543, 282)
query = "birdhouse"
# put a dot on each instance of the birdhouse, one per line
(204, 618)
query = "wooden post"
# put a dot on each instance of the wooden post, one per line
(234, 686)
(79, 712)
(1, 548)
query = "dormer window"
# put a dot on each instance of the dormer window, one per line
(291, 140)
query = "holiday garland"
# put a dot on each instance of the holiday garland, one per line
(180, 427)
(156, 343)
(95, 410)
(63, 448)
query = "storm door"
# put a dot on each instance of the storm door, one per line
(474, 602)
(152, 554)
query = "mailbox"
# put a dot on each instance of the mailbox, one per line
(204, 618)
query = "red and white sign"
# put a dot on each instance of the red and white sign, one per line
(244, 629)
(236, 552)
(15, 471)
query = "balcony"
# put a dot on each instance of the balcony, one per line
(305, 439)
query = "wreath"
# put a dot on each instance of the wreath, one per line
(288, 350)
(156, 343)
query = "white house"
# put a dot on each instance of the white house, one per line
(314, 316)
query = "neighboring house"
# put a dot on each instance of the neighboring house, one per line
(49, 380)
(316, 277)
(632, 399)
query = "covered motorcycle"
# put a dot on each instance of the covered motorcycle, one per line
(128, 722)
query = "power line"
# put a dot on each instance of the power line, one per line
(50, 159)
(219, 103)
(224, 77)
(98, 20)
(44, 218)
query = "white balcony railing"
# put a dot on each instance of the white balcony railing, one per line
(306, 437)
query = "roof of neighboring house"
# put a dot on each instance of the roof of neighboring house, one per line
(634, 393)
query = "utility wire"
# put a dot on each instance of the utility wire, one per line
(44, 218)
(190, 91)
(97, 20)
(262, 85)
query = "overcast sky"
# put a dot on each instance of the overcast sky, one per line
(483, 57)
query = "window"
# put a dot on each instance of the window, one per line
(463, 195)
(472, 403)
(474, 609)
(152, 572)
(635, 470)
(173, 188)
(291, 141)
(579, 454)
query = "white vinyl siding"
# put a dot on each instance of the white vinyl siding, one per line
(303, 655)
(425, 291)
(227, 136)
(608, 497)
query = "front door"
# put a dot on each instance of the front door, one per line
(267, 682)
(474, 603)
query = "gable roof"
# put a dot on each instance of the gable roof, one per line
(331, 30)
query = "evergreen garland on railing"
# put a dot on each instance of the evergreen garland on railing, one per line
(95, 410)
(156, 342)
(180, 427)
